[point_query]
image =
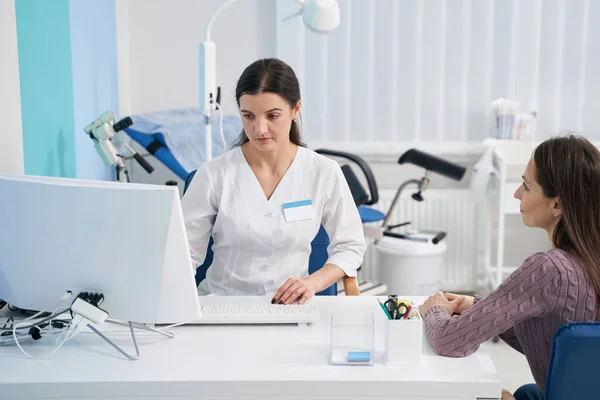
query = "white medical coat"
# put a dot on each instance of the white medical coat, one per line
(255, 249)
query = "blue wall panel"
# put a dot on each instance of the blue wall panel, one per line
(45, 70)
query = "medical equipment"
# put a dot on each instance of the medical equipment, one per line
(408, 266)
(102, 131)
(172, 137)
(412, 262)
(320, 16)
(431, 164)
(62, 238)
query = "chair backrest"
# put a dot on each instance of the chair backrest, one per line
(574, 360)
(361, 198)
(318, 255)
(358, 192)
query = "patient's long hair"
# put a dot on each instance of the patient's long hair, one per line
(270, 75)
(568, 167)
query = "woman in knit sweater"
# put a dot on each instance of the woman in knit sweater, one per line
(560, 194)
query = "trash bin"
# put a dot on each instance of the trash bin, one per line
(410, 267)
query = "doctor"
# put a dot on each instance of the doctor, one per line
(264, 201)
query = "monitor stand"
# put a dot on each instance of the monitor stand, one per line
(131, 325)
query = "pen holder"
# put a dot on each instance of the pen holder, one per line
(403, 341)
(352, 339)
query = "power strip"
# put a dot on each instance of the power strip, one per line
(88, 311)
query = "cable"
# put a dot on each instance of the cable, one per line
(52, 327)
(34, 329)
(221, 127)
(7, 337)
(43, 313)
(59, 341)
(38, 322)
(68, 294)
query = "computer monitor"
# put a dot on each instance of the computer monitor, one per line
(127, 241)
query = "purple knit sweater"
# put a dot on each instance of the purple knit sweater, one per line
(548, 290)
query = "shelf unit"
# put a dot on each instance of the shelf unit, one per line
(510, 157)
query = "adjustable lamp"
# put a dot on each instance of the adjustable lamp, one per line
(319, 16)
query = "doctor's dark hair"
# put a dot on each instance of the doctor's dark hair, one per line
(270, 75)
(568, 167)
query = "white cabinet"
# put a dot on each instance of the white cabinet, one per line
(510, 157)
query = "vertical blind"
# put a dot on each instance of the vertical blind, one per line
(399, 72)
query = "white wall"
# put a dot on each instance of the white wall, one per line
(11, 134)
(437, 66)
(159, 42)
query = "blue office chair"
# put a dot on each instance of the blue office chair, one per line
(318, 258)
(573, 369)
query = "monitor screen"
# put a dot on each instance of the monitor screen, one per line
(126, 241)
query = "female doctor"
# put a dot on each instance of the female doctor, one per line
(264, 201)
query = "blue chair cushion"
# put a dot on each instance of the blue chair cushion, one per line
(368, 214)
(156, 144)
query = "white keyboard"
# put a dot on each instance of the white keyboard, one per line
(258, 314)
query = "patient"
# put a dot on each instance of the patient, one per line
(560, 193)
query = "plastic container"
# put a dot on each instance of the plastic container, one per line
(352, 339)
(403, 341)
(410, 267)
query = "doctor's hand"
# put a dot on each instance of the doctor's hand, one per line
(294, 290)
(439, 299)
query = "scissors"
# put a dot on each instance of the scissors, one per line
(397, 310)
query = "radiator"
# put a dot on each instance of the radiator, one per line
(450, 210)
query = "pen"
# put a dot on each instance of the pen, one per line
(384, 309)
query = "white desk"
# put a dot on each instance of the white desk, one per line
(241, 362)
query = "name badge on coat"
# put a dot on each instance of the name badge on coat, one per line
(298, 210)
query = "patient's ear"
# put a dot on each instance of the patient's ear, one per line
(556, 208)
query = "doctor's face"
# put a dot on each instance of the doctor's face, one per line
(267, 119)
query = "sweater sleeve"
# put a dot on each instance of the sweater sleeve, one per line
(509, 337)
(529, 292)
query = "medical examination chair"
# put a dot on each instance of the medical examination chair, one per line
(318, 258)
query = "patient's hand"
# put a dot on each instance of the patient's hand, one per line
(439, 299)
(465, 305)
(294, 290)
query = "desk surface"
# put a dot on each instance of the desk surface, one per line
(218, 362)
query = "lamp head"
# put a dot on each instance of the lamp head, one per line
(319, 16)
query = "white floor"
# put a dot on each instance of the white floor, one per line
(510, 364)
